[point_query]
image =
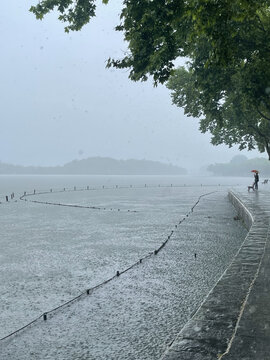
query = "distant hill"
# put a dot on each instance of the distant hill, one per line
(98, 166)
(240, 165)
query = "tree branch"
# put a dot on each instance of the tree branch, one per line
(262, 115)
(261, 23)
(266, 105)
(258, 131)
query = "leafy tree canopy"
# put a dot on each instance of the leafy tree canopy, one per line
(227, 78)
(159, 31)
(225, 110)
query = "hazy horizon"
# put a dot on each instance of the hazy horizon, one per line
(164, 162)
(59, 102)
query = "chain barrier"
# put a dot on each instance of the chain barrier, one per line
(89, 291)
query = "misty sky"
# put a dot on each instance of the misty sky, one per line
(58, 102)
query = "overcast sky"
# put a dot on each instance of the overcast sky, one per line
(59, 102)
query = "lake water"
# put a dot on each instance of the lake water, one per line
(52, 253)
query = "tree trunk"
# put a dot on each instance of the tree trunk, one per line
(267, 148)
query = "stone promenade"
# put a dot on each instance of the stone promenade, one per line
(233, 323)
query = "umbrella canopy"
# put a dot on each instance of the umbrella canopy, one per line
(256, 171)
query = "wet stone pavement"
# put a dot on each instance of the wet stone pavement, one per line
(233, 323)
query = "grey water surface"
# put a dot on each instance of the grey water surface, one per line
(51, 253)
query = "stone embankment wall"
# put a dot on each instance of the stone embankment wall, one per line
(242, 210)
(229, 322)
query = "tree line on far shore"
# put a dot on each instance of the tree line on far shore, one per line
(97, 166)
(240, 165)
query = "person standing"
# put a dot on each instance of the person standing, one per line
(256, 180)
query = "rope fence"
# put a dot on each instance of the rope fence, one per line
(6, 198)
(87, 292)
(25, 195)
(11, 197)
